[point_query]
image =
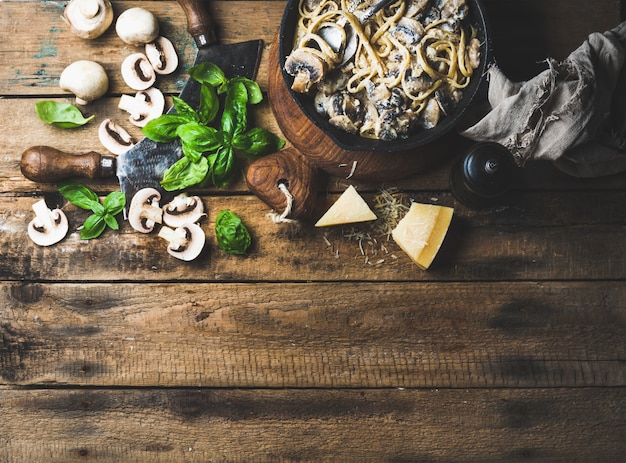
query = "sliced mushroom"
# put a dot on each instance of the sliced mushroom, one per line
(87, 80)
(162, 55)
(49, 226)
(185, 242)
(88, 19)
(137, 72)
(144, 106)
(137, 26)
(114, 138)
(144, 211)
(408, 30)
(183, 209)
(307, 69)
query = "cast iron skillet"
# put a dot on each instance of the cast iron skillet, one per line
(421, 137)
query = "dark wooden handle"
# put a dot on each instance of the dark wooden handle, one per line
(48, 165)
(292, 169)
(199, 21)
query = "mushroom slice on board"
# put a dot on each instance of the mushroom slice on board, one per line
(49, 226)
(144, 106)
(183, 209)
(144, 211)
(88, 19)
(114, 138)
(162, 55)
(137, 71)
(185, 242)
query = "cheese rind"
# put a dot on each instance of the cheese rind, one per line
(350, 207)
(421, 232)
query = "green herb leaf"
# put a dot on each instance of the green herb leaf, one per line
(184, 173)
(103, 214)
(63, 115)
(258, 142)
(255, 95)
(209, 73)
(209, 104)
(234, 118)
(93, 227)
(222, 166)
(198, 139)
(232, 235)
(114, 203)
(184, 109)
(163, 128)
(79, 195)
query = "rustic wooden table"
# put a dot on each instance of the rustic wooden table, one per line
(512, 347)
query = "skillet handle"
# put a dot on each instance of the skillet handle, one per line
(292, 169)
(199, 22)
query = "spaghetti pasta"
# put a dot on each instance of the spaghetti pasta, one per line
(412, 61)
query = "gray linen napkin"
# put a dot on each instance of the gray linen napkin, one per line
(573, 113)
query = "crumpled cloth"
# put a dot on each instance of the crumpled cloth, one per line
(573, 113)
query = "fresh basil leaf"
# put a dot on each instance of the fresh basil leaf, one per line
(111, 221)
(185, 173)
(208, 73)
(79, 195)
(209, 104)
(197, 139)
(184, 109)
(232, 235)
(93, 227)
(255, 95)
(163, 128)
(114, 202)
(258, 142)
(234, 118)
(63, 115)
(222, 166)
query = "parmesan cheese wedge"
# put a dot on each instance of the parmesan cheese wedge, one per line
(350, 207)
(421, 232)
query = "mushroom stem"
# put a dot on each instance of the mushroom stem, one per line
(153, 214)
(43, 216)
(176, 238)
(89, 8)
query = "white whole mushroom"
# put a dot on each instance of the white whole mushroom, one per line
(87, 80)
(137, 26)
(88, 19)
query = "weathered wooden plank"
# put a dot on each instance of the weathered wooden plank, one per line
(491, 425)
(537, 237)
(331, 335)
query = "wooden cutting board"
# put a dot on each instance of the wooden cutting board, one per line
(312, 151)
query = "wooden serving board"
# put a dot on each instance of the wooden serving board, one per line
(312, 151)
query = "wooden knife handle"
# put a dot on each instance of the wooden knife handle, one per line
(48, 165)
(292, 169)
(199, 22)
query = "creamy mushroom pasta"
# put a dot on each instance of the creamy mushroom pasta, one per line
(412, 61)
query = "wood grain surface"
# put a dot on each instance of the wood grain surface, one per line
(321, 345)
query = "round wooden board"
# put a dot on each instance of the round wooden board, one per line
(313, 143)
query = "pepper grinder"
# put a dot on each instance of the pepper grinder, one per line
(482, 177)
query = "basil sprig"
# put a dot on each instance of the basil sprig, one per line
(210, 142)
(103, 213)
(64, 115)
(232, 235)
